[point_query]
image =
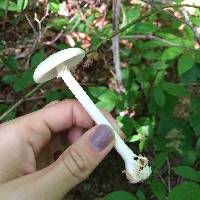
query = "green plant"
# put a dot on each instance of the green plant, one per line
(159, 107)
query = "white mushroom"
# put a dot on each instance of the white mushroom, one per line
(59, 65)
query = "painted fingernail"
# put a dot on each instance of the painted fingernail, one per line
(101, 138)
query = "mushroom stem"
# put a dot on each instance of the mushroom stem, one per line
(133, 167)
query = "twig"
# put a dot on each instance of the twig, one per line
(169, 175)
(149, 37)
(121, 30)
(159, 9)
(14, 101)
(38, 36)
(40, 21)
(163, 181)
(20, 101)
(5, 14)
(31, 52)
(188, 21)
(55, 39)
(180, 5)
(36, 41)
(31, 25)
(115, 43)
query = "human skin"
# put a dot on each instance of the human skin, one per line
(34, 164)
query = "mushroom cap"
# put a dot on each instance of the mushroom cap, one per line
(48, 69)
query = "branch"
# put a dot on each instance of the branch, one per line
(177, 5)
(186, 22)
(20, 101)
(31, 25)
(121, 30)
(7, 101)
(55, 39)
(40, 21)
(160, 10)
(5, 14)
(150, 37)
(115, 43)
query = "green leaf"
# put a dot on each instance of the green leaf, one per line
(158, 95)
(21, 5)
(96, 91)
(191, 75)
(2, 45)
(20, 81)
(108, 100)
(130, 13)
(152, 55)
(195, 105)
(119, 195)
(53, 95)
(11, 62)
(108, 96)
(109, 106)
(198, 144)
(142, 145)
(144, 28)
(3, 108)
(195, 123)
(140, 195)
(158, 189)
(54, 7)
(10, 78)
(189, 157)
(174, 89)
(185, 191)
(195, 20)
(37, 58)
(24, 80)
(185, 63)
(11, 5)
(10, 116)
(187, 172)
(128, 125)
(171, 53)
(134, 138)
(159, 160)
(61, 46)
(58, 23)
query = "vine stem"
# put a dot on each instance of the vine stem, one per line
(20, 101)
(121, 30)
(177, 5)
(161, 10)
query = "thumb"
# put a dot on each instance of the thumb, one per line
(71, 168)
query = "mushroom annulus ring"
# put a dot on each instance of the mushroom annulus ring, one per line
(58, 65)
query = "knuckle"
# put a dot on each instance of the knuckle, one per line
(76, 163)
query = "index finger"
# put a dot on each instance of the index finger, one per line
(37, 128)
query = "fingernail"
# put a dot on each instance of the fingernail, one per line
(101, 138)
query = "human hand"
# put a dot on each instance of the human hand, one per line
(29, 145)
